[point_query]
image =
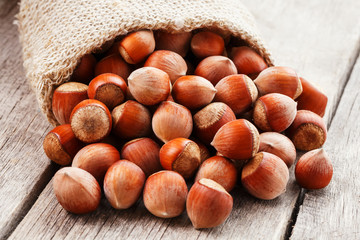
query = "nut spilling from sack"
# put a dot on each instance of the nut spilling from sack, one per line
(156, 110)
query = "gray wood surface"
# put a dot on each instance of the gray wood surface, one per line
(320, 39)
(334, 211)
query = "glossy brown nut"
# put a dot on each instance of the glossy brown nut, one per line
(274, 112)
(131, 120)
(96, 158)
(237, 140)
(215, 68)
(61, 145)
(123, 184)
(84, 71)
(193, 91)
(109, 89)
(308, 131)
(237, 91)
(265, 176)
(205, 44)
(165, 194)
(144, 152)
(65, 98)
(176, 42)
(91, 121)
(311, 98)
(180, 155)
(113, 64)
(219, 169)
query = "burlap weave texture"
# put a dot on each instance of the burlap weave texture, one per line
(56, 34)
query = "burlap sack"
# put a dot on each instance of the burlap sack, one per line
(56, 34)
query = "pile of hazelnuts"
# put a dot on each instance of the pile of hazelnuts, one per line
(178, 109)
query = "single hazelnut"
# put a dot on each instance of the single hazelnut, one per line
(84, 71)
(311, 98)
(193, 91)
(136, 46)
(109, 89)
(279, 145)
(113, 64)
(149, 85)
(180, 155)
(165, 194)
(123, 184)
(210, 119)
(176, 42)
(219, 169)
(91, 121)
(314, 170)
(170, 62)
(208, 204)
(237, 91)
(274, 112)
(237, 140)
(144, 152)
(247, 61)
(61, 145)
(205, 44)
(215, 68)
(96, 158)
(172, 120)
(308, 131)
(76, 190)
(131, 120)
(65, 98)
(277, 79)
(265, 176)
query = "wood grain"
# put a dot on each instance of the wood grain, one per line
(334, 211)
(307, 35)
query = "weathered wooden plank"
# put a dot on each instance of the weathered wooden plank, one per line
(334, 210)
(307, 36)
(24, 170)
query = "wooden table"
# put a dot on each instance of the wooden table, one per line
(320, 39)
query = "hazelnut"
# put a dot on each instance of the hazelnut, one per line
(311, 98)
(76, 190)
(170, 62)
(205, 44)
(65, 98)
(215, 68)
(113, 64)
(109, 89)
(237, 91)
(96, 158)
(180, 155)
(144, 152)
(172, 120)
(274, 112)
(61, 145)
(238, 140)
(123, 184)
(247, 61)
(308, 131)
(131, 120)
(136, 46)
(282, 80)
(219, 169)
(84, 71)
(314, 170)
(176, 42)
(265, 176)
(193, 91)
(149, 85)
(210, 119)
(91, 121)
(208, 204)
(279, 145)
(165, 194)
